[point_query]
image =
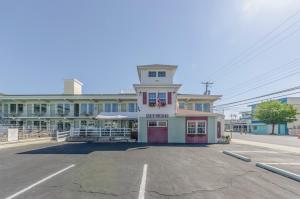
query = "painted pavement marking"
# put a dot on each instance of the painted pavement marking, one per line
(39, 182)
(143, 182)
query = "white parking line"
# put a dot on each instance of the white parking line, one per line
(143, 182)
(39, 182)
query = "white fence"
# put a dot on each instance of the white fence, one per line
(101, 132)
(62, 136)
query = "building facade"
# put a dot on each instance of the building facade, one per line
(292, 128)
(156, 110)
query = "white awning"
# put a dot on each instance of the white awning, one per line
(117, 116)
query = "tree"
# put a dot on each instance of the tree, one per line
(274, 112)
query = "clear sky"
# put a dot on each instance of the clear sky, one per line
(100, 42)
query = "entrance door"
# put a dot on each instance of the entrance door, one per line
(219, 130)
(157, 131)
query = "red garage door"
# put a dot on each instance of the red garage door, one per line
(157, 131)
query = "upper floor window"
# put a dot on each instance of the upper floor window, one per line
(107, 108)
(152, 99)
(131, 107)
(114, 107)
(162, 99)
(152, 74)
(206, 107)
(181, 105)
(161, 73)
(198, 107)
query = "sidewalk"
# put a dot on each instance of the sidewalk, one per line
(267, 145)
(4, 145)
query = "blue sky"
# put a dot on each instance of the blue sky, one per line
(101, 42)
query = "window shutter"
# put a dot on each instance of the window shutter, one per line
(144, 98)
(169, 97)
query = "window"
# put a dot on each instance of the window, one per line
(100, 108)
(152, 99)
(13, 108)
(152, 74)
(190, 106)
(123, 108)
(83, 109)
(67, 109)
(114, 107)
(181, 105)
(43, 108)
(36, 108)
(131, 107)
(198, 107)
(158, 123)
(162, 98)
(91, 109)
(196, 127)
(206, 107)
(20, 108)
(29, 110)
(60, 109)
(52, 109)
(107, 108)
(161, 74)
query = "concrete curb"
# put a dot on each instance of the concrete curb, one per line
(279, 171)
(244, 158)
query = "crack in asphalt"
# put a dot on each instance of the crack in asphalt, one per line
(187, 193)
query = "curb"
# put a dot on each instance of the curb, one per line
(244, 158)
(282, 172)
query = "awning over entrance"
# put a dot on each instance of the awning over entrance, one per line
(117, 116)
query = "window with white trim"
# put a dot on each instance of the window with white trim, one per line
(157, 123)
(161, 73)
(152, 99)
(152, 74)
(163, 98)
(196, 127)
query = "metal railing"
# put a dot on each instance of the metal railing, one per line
(100, 132)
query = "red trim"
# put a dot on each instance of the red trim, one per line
(196, 139)
(144, 97)
(169, 98)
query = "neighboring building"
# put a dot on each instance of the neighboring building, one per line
(156, 109)
(239, 125)
(293, 128)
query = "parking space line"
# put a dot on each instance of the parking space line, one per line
(39, 182)
(143, 182)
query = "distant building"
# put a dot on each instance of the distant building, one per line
(293, 128)
(155, 108)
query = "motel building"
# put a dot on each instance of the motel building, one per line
(154, 113)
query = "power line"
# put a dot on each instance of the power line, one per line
(265, 84)
(207, 84)
(266, 95)
(269, 73)
(265, 37)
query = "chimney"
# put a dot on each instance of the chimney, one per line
(72, 87)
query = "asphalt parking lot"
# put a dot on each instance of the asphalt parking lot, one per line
(86, 170)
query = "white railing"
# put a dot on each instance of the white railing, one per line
(62, 136)
(100, 132)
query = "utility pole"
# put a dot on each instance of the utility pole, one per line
(207, 84)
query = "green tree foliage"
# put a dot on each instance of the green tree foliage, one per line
(275, 112)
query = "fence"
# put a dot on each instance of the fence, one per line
(61, 136)
(25, 132)
(101, 132)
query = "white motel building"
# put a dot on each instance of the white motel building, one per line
(156, 112)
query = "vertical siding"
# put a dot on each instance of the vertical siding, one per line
(176, 131)
(212, 130)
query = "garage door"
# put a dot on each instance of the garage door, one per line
(157, 131)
